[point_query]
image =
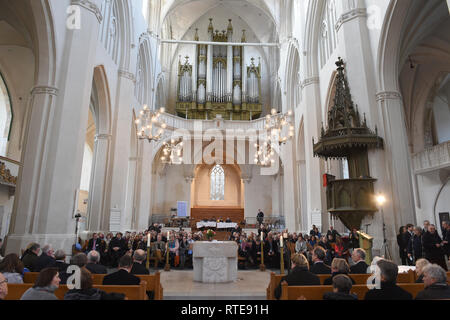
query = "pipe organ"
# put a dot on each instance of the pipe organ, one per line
(218, 82)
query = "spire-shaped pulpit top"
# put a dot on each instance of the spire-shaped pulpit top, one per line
(345, 130)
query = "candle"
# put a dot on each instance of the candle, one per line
(148, 239)
(262, 236)
(281, 241)
(168, 235)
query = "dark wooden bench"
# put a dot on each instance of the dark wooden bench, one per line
(15, 291)
(360, 279)
(153, 282)
(317, 292)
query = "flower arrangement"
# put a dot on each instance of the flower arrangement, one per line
(209, 234)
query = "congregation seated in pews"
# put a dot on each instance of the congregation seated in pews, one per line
(302, 284)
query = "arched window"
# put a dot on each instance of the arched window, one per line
(217, 183)
(328, 36)
(109, 29)
(5, 117)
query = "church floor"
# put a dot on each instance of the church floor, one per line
(179, 285)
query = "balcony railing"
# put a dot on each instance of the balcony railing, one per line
(431, 159)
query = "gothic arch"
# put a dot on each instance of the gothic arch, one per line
(144, 72)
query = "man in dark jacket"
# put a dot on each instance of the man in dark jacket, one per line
(436, 287)
(333, 233)
(79, 260)
(30, 256)
(96, 244)
(46, 259)
(299, 275)
(389, 289)
(60, 257)
(406, 239)
(138, 264)
(93, 263)
(122, 277)
(117, 248)
(342, 285)
(319, 267)
(433, 247)
(359, 257)
(414, 249)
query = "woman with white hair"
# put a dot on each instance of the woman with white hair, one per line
(420, 265)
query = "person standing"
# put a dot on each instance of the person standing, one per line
(414, 249)
(434, 247)
(402, 245)
(406, 238)
(260, 217)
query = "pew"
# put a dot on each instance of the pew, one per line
(316, 292)
(360, 279)
(153, 282)
(15, 291)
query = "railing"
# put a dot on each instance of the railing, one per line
(431, 159)
(173, 122)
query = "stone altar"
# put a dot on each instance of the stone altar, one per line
(215, 261)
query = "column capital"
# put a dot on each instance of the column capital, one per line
(44, 90)
(309, 81)
(388, 95)
(103, 137)
(350, 15)
(126, 74)
(90, 6)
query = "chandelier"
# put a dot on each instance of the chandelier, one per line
(172, 152)
(264, 155)
(149, 125)
(276, 126)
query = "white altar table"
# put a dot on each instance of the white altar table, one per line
(215, 261)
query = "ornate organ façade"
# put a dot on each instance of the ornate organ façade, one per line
(219, 83)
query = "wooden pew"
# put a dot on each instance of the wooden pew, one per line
(360, 279)
(15, 291)
(316, 292)
(153, 282)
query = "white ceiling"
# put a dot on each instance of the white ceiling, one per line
(181, 15)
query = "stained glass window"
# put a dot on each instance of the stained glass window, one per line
(217, 183)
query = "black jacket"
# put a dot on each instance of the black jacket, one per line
(139, 268)
(436, 291)
(320, 268)
(62, 266)
(298, 277)
(388, 292)
(415, 247)
(121, 278)
(44, 261)
(339, 296)
(100, 245)
(329, 281)
(359, 268)
(429, 241)
(96, 268)
(29, 259)
(92, 294)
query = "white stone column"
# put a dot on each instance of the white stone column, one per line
(123, 128)
(314, 170)
(97, 206)
(394, 179)
(53, 151)
(290, 198)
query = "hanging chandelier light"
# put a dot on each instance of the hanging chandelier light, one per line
(264, 155)
(279, 127)
(172, 152)
(149, 125)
